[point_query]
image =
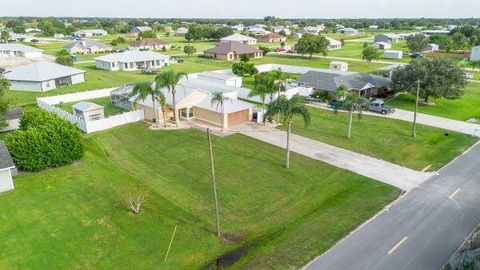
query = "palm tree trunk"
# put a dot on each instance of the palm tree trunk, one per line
(289, 130)
(155, 112)
(164, 116)
(175, 113)
(223, 117)
(263, 108)
(350, 124)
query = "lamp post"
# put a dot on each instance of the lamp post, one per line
(414, 130)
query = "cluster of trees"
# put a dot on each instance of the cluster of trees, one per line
(5, 102)
(44, 140)
(198, 32)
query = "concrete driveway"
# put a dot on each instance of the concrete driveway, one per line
(393, 174)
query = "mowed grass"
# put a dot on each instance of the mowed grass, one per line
(464, 108)
(386, 139)
(73, 217)
(106, 102)
(354, 50)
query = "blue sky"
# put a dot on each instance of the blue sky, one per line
(243, 8)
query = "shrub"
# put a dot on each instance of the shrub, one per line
(44, 140)
(265, 50)
(244, 69)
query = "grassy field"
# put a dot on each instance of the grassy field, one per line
(387, 139)
(354, 50)
(106, 102)
(468, 106)
(73, 217)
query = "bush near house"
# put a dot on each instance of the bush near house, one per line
(44, 140)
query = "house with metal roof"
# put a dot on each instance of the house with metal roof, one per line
(231, 51)
(132, 60)
(365, 84)
(87, 46)
(221, 78)
(150, 44)
(7, 169)
(43, 76)
(90, 33)
(88, 111)
(19, 50)
(240, 38)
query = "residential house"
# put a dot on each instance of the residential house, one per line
(88, 111)
(43, 76)
(391, 54)
(238, 27)
(86, 46)
(140, 29)
(281, 30)
(348, 31)
(297, 35)
(339, 66)
(333, 44)
(90, 33)
(33, 31)
(383, 45)
(7, 169)
(373, 27)
(273, 37)
(365, 84)
(150, 44)
(435, 32)
(19, 50)
(16, 37)
(432, 47)
(132, 60)
(168, 29)
(220, 78)
(257, 31)
(231, 51)
(312, 30)
(182, 31)
(475, 55)
(387, 38)
(59, 36)
(240, 38)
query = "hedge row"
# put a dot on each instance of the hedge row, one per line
(44, 140)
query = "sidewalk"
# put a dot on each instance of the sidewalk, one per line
(396, 175)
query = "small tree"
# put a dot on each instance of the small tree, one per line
(4, 101)
(311, 44)
(244, 57)
(243, 68)
(265, 50)
(5, 36)
(170, 79)
(417, 43)
(189, 50)
(64, 58)
(264, 86)
(219, 98)
(134, 199)
(369, 54)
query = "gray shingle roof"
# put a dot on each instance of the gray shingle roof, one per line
(41, 71)
(6, 161)
(18, 47)
(85, 44)
(330, 81)
(232, 46)
(237, 37)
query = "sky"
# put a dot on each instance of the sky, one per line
(243, 8)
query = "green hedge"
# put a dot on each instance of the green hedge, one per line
(44, 140)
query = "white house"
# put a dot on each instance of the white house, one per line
(312, 30)
(373, 27)
(88, 111)
(140, 29)
(348, 31)
(33, 31)
(132, 60)
(221, 78)
(432, 47)
(390, 54)
(340, 66)
(334, 44)
(43, 76)
(475, 56)
(19, 50)
(90, 33)
(7, 169)
(383, 45)
(297, 35)
(257, 31)
(240, 38)
(182, 31)
(238, 27)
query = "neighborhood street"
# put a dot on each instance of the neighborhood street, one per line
(419, 231)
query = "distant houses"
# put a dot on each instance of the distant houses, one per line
(475, 55)
(86, 46)
(182, 31)
(43, 76)
(432, 47)
(273, 37)
(33, 31)
(333, 44)
(231, 51)
(140, 29)
(348, 31)
(19, 50)
(90, 33)
(132, 60)
(339, 66)
(383, 45)
(387, 38)
(391, 54)
(240, 38)
(150, 44)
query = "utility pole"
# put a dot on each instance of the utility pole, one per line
(212, 166)
(414, 131)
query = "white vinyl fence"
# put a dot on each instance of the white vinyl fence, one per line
(48, 104)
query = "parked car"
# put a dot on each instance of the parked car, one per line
(379, 106)
(416, 55)
(149, 71)
(468, 76)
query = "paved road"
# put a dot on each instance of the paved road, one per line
(393, 174)
(421, 230)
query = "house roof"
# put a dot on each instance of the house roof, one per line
(93, 31)
(132, 56)
(272, 35)
(18, 47)
(15, 113)
(331, 80)
(41, 71)
(149, 42)
(6, 161)
(217, 75)
(237, 37)
(232, 46)
(333, 41)
(85, 44)
(86, 106)
(142, 28)
(229, 106)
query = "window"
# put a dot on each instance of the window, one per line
(131, 64)
(126, 65)
(158, 62)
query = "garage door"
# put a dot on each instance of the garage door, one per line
(237, 118)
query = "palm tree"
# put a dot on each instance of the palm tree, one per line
(169, 79)
(143, 90)
(351, 101)
(5, 36)
(264, 86)
(219, 98)
(287, 109)
(280, 79)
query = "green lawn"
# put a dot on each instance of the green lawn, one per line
(72, 216)
(106, 102)
(468, 106)
(354, 50)
(386, 139)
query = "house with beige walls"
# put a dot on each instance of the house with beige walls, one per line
(273, 37)
(231, 51)
(86, 46)
(150, 44)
